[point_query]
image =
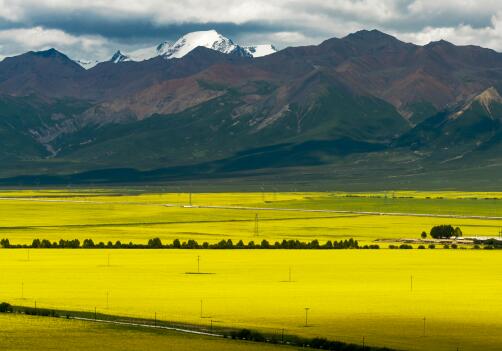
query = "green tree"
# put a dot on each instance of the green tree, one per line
(5, 243)
(442, 231)
(5, 307)
(88, 244)
(155, 243)
(45, 244)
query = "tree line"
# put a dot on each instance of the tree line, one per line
(156, 243)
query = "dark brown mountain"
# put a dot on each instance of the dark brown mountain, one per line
(362, 94)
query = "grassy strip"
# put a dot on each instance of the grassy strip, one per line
(216, 331)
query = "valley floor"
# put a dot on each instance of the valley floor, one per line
(381, 295)
(137, 216)
(404, 299)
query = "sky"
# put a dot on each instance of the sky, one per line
(94, 29)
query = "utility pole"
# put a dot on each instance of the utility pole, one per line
(256, 225)
(363, 343)
(424, 327)
(211, 325)
(282, 337)
(307, 316)
(95, 313)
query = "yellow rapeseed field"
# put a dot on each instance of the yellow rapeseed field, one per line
(381, 295)
(104, 215)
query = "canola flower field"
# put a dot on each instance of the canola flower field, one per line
(111, 215)
(404, 299)
(381, 295)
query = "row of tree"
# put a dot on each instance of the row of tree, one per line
(156, 243)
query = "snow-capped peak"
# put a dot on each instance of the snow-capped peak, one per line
(210, 39)
(119, 57)
(260, 50)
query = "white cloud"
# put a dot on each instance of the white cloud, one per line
(489, 36)
(10, 11)
(38, 38)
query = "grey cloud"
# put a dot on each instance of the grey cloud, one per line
(99, 28)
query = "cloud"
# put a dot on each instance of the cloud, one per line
(96, 28)
(38, 38)
(489, 36)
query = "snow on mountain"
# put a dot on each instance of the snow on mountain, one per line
(210, 39)
(150, 52)
(260, 50)
(87, 64)
(119, 57)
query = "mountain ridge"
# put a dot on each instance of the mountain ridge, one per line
(365, 97)
(210, 39)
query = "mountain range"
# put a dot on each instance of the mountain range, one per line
(210, 39)
(365, 109)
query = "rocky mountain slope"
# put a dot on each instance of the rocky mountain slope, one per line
(346, 102)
